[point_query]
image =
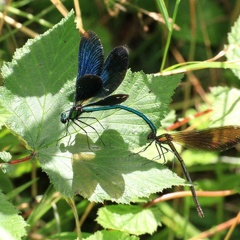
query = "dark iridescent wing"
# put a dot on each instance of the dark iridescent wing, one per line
(212, 139)
(114, 70)
(86, 87)
(90, 56)
(111, 100)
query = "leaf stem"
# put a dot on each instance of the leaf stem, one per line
(71, 203)
(169, 35)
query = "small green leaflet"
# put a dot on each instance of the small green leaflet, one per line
(233, 51)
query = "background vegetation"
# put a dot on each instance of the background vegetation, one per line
(199, 45)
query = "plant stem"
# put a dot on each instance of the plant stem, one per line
(71, 202)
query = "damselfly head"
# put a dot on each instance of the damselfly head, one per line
(64, 118)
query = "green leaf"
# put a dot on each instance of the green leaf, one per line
(11, 223)
(4, 115)
(115, 175)
(33, 81)
(6, 185)
(164, 12)
(226, 106)
(112, 172)
(110, 235)
(233, 53)
(148, 94)
(18, 190)
(32, 93)
(5, 156)
(40, 81)
(131, 219)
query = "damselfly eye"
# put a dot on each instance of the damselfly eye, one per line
(63, 118)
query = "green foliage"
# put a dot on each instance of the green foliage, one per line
(108, 235)
(226, 106)
(109, 164)
(131, 219)
(4, 115)
(233, 53)
(12, 225)
(5, 156)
